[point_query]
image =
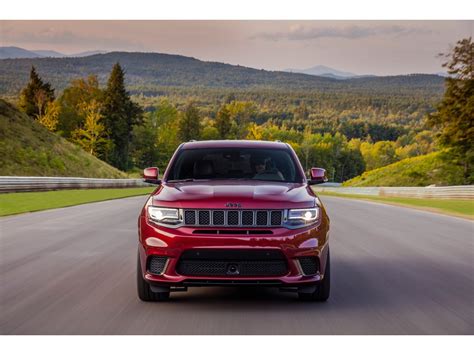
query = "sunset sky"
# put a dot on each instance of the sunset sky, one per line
(361, 47)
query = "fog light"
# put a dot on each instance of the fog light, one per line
(155, 242)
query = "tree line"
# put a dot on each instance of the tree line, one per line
(99, 120)
(135, 133)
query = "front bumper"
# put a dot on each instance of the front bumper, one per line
(310, 241)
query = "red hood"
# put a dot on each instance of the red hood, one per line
(249, 194)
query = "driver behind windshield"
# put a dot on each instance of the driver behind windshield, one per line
(263, 170)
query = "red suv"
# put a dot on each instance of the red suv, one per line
(233, 213)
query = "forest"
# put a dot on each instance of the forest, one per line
(346, 126)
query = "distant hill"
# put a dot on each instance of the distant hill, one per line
(17, 52)
(47, 53)
(423, 170)
(86, 53)
(145, 72)
(29, 149)
(322, 70)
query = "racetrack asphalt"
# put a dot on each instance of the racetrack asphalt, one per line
(395, 270)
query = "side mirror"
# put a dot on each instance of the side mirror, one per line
(318, 176)
(150, 175)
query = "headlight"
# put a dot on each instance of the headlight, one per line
(163, 215)
(302, 216)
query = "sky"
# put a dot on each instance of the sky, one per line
(360, 47)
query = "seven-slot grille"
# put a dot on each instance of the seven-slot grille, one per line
(233, 218)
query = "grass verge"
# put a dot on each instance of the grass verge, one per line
(459, 208)
(20, 202)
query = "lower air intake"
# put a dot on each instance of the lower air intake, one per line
(309, 265)
(156, 264)
(232, 263)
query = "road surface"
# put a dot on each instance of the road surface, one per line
(395, 270)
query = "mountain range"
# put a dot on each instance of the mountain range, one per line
(150, 73)
(17, 52)
(322, 70)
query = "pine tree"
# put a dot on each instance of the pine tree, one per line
(120, 115)
(223, 122)
(36, 96)
(190, 124)
(455, 115)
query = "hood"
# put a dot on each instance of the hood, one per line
(249, 194)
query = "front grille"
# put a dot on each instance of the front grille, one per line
(156, 264)
(204, 217)
(190, 217)
(233, 218)
(309, 265)
(218, 218)
(247, 218)
(262, 218)
(233, 263)
(275, 218)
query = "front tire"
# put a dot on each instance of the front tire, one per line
(144, 291)
(321, 294)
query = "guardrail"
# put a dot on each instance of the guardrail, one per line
(39, 183)
(464, 192)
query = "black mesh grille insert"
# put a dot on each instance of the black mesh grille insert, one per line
(262, 218)
(234, 263)
(233, 218)
(189, 217)
(218, 218)
(247, 218)
(275, 218)
(156, 264)
(204, 218)
(309, 265)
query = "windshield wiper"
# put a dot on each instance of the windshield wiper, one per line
(182, 180)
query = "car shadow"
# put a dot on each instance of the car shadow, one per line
(355, 285)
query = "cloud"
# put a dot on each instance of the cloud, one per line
(304, 33)
(51, 36)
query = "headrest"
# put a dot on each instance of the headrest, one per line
(203, 168)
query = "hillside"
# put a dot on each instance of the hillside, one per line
(29, 149)
(423, 170)
(145, 72)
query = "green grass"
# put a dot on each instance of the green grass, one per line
(20, 202)
(461, 208)
(29, 149)
(424, 170)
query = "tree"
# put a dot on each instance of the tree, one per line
(378, 154)
(35, 96)
(190, 123)
(223, 122)
(454, 118)
(156, 139)
(255, 132)
(91, 137)
(120, 115)
(79, 93)
(241, 113)
(209, 132)
(50, 117)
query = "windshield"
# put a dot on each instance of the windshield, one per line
(234, 163)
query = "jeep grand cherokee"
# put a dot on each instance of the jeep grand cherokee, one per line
(233, 213)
